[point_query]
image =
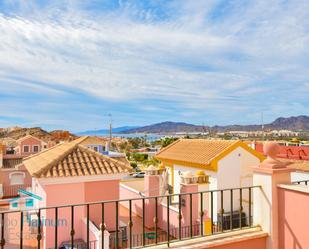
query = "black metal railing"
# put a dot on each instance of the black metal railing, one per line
(213, 208)
(303, 182)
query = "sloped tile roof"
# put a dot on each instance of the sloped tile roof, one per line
(197, 151)
(72, 159)
(94, 140)
(298, 165)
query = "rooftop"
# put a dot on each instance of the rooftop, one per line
(200, 151)
(93, 140)
(72, 159)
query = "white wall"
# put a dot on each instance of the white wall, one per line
(299, 176)
(234, 171)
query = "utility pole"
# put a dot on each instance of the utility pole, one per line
(110, 131)
(262, 122)
(110, 128)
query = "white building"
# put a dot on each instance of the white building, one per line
(227, 163)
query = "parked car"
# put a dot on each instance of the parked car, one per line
(139, 175)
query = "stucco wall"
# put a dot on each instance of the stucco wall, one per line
(235, 171)
(76, 193)
(255, 243)
(30, 142)
(5, 176)
(293, 219)
(100, 191)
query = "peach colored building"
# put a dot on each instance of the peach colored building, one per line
(71, 174)
(29, 145)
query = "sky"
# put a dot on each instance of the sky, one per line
(68, 64)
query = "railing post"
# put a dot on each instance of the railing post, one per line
(156, 218)
(88, 221)
(231, 213)
(72, 227)
(168, 220)
(56, 228)
(202, 214)
(21, 229)
(130, 223)
(2, 231)
(179, 217)
(221, 210)
(143, 221)
(102, 225)
(250, 206)
(117, 225)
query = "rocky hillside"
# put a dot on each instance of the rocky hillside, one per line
(167, 127)
(38, 132)
(291, 123)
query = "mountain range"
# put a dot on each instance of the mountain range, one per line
(290, 123)
(103, 132)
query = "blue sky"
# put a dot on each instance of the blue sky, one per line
(67, 64)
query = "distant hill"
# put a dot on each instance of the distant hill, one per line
(291, 123)
(167, 127)
(21, 132)
(38, 132)
(103, 132)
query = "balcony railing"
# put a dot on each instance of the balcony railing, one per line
(225, 210)
(303, 182)
(12, 191)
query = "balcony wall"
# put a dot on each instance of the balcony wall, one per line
(293, 217)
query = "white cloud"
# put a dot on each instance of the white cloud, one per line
(198, 56)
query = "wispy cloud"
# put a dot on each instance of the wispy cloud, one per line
(224, 59)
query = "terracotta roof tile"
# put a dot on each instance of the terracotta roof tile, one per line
(72, 159)
(199, 151)
(298, 165)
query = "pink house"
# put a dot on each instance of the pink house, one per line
(29, 145)
(69, 174)
(13, 175)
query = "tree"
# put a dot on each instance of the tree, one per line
(167, 141)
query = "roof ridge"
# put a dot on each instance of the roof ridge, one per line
(103, 156)
(58, 158)
(167, 147)
(27, 136)
(225, 149)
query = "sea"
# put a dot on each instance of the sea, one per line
(149, 137)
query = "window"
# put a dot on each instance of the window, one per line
(35, 148)
(29, 203)
(17, 178)
(26, 149)
(15, 204)
(95, 148)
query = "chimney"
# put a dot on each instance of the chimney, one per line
(107, 146)
(189, 185)
(152, 188)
